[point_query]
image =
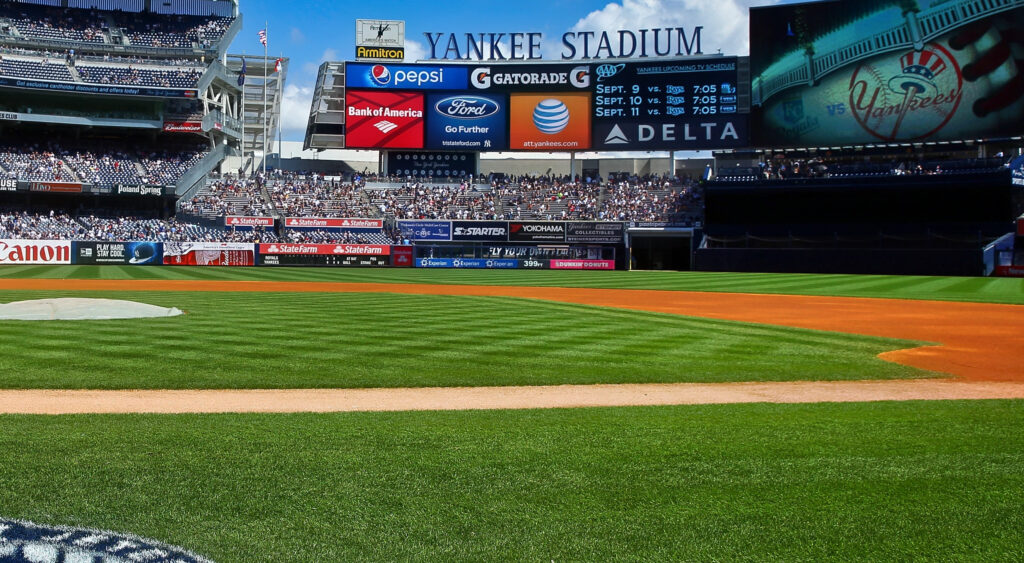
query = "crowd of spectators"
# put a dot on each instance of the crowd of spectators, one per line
(425, 201)
(95, 162)
(144, 29)
(315, 196)
(180, 78)
(229, 196)
(820, 167)
(62, 226)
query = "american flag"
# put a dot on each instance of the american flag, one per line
(263, 37)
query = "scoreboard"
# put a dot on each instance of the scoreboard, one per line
(697, 103)
(670, 105)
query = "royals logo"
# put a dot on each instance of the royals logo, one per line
(908, 98)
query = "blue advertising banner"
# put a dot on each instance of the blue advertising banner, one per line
(112, 89)
(406, 77)
(125, 253)
(467, 121)
(468, 263)
(426, 230)
(1017, 170)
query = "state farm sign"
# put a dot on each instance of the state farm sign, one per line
(320, 223)
(35, 251)
(328, 249)
(231, 221)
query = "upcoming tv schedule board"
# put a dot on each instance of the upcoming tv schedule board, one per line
(669, 104)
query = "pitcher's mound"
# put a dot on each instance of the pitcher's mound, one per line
(74, 309)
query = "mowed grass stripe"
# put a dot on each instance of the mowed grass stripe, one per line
(869, 481)
(989, 290)
(309, 340)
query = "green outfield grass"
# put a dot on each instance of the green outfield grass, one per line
(990, 290)
(869, 481)
(293, 340)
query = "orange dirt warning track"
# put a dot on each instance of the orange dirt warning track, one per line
(982, 345)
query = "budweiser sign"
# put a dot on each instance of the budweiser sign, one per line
(319, 223)
(35, 251)
(183, 127)
(328, 249)
(248, 221)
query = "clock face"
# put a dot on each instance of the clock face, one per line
(380, 33)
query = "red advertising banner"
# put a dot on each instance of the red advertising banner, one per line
(379, 119)
(321, 223)
(582, 264)
(63, 187)
(231, 221)
(1009, 271)
(209, 254)
(401, 256)
(35, 251)
(183, 127)
(326, 249)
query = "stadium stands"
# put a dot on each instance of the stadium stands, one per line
(229, 196)
(61, 226)
(96, 162)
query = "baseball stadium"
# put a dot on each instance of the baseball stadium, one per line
(597, 291)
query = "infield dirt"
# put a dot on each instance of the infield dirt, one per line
(980, 344)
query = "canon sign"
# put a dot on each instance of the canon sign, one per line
(35, 252)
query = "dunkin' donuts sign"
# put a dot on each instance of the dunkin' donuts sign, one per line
(35, 251)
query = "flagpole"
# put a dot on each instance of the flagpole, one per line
(266, 77)
(241, 113)
(280, 95)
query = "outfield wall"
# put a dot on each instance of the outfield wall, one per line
(145, 253)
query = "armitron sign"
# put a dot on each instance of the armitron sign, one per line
(35, 251)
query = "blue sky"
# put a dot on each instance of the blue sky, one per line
(312, 31)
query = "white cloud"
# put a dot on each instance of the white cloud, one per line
(724, 21)
(297, 35)
(295, 104)
(414, 51)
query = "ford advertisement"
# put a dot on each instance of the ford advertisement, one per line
(467, 121)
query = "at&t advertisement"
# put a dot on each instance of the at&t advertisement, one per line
(549, 122)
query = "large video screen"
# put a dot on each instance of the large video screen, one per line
(845, 72)
(690, 104)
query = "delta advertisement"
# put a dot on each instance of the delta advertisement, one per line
(121, 253)
(552, 121)
(868, 72)
(467, 121)
(209, 254)
(384, 119)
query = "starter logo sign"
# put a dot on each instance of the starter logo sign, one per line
(549, 121)
(384, 120)
(467, 121)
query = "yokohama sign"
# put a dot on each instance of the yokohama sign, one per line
(317, 223)
(35, 251)
(329, 249)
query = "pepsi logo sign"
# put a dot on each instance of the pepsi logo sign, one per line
(467, 107)
(380, 74)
